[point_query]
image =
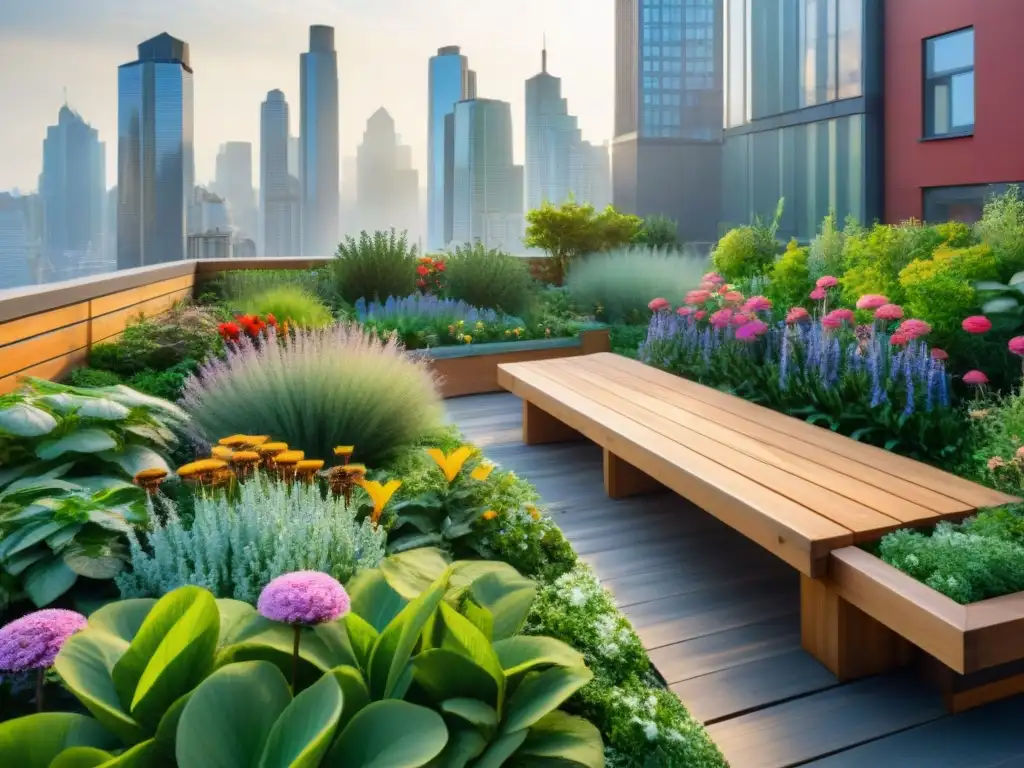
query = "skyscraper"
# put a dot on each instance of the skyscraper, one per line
(234, 183)
(155, 153)
(551, 133)
(666, 156)
(20, 239)
(73, 187)
(387, 186)
(487, 199)
(449, 80)
(319, 172)
(279, 189)
(590, 174)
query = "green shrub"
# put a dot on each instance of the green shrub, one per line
(488, 278)
(791, 280)
(93, 377)
(375, 267)
(166, 384)
(748, 252)
(659, 232)
(940, 290)
(239, 284)
(290, 304)
(875, 257)
(825, 255)
(318, 389)
(996, 434)
(617, 286)
(1002, 228)
(626, 339)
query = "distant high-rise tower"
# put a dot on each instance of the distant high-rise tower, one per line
(319, 171)
(20, 227)
(234, 183)
(450, 80)
(387, 186)
(155, 153)
(279, 192)
(73, 187)
(487, 200)
(666, 156)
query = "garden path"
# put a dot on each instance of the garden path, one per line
(720, 618)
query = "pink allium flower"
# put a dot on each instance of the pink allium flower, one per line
(721, 318)
(684, 311)
(697, 297)
(750, 331)
(976, 324)
(872, 301)
(33, 641)
(827, 282)
(796, 314)
(995, 463)
(733, 297)
(831, 322)
(889, 312)
(657, 305)
(303, 597)
(700, 314)
(713, 277)
(914, 328)
(757, 304)
(709, 287)
(899, 339)
(740, 318)
(846, 315)
(939, 354)
(1016, 345)
(818, 294)
(975, 377)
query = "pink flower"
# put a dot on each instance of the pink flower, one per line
(34, 640)
(733, 297)
(796, 314)
(827, 282)
(818, 294)
(995, 463)
(831, 322)
(914, 328)
(757, 304)
(976, 324)
(697, 297)
(700, 314)
(721, 318)
(657, 305)
(740, 318)
(304, 598)
(713, 277)
(871, 301)
(899, 339)
(975, 377)
(751, 330)
(939, 354)
(1016, 345)
(889, 312)
(846, 315)
(683, 311)
(1020, 452)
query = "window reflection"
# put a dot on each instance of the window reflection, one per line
(949, 84)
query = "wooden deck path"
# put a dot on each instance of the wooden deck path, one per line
(720, 618)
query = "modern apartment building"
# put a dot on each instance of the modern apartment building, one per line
(319, 170)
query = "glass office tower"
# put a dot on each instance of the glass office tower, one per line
(319, 164)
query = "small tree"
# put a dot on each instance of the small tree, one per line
(660, 232)
(570, 230)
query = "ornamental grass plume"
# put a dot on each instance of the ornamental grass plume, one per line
(976, 324)
(34, 640)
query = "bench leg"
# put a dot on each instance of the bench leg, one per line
(540, 427)
(846, 640)
(622, 479)
(963, 692)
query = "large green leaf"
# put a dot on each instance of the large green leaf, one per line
(27, 535)
(82, 757)
(229, 716)
(464, 744)
(15, 565)
(446, 674)
(47, 580)
(500, 750)
(362, 637)
(123, 618)
(389, 734)
(395, 645)
(542, 693)
(135, 458)
(455, 632)
(26, 420)
(34, 741)
(473, 711)
(412, 573)
(135, 399)
(96, 556)
(262, 639)
(374, 599)
(354, 693)
(524, 653)
(88, 407)
(303, 732)
(508, 597)
(82, 441)
(28, 488)
(562, 739)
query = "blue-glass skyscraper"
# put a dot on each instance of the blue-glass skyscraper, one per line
(449, 80)
(551, 133)
(319, 168)
(155, 153)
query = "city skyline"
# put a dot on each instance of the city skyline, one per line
(235, 80)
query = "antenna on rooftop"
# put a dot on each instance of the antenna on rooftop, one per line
(544, 54)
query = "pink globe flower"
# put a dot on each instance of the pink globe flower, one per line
(750, 331)
(818, 294)
(721, 318)
(889, 312)
(33, 641)
(757, 304)
(976, 378)
(846, 315)
(732, 297)
(700, 314)
(976, 324)
(899, 339)
(739, 319)
(796, 315)
(871, 301)
(939, 354)
(827, 282)
(697, 297)
(684, 311)
(658, 305)
(1016, 345)
(914, 328)
(303, 598)
(713, 277)
(831, 323)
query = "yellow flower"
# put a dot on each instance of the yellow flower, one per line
(289, 457)
(358, 469)
(221, 452)
(245, 457)
(201, 467)
(490, 514)
(232, 441)
(151, 474)
(468, 339)
(450, 464)
(272, 448)
(310, 465)
(534, 513)
(483, 471)
(380, 494)
(254, 440)
(345, 452)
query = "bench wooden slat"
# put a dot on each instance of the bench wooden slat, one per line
(791, 531)
(861, 520)
(972, 494)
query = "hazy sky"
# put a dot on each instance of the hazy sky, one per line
(241, 49)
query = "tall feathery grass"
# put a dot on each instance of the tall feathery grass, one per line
(317, 389)
(618, 285)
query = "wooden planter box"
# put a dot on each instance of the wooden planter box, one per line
(473, 369)
(881, 618)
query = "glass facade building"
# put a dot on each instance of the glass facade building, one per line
(280, 198)
(449, 81)
(802, 112)
(319, 162)
(155, 153)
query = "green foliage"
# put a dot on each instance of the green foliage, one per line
(166, 384)
(237, 285)
(488, 278)
(1002, 228)
(626, 339)
(940, 290)
(825, 256)
(290, 304)
(375, 267)
(791, 280)
(660, 232)
(617, 286)
(996, 433)
(93, 377)
(318, 389)
(748, 252)
(236, 544)
(570, 231)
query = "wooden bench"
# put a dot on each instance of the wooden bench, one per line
(798, 490)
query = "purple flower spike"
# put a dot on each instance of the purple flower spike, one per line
(33, 641)
(303, 598)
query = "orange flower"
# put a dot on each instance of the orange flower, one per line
(534, 512)
(482, 472)
(451, 463)
(379, 494)
(490, 514)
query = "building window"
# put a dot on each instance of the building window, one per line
(949, 84)
(964, 204)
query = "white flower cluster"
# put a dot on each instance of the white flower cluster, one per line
(643, 713)
(583, 593)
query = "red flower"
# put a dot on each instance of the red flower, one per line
(228, 331)
(975, 377)
(439, 266)
(271, 320)
(976, 324)
(422, 270)
(421, 282)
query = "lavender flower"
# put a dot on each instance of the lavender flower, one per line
(424, 306)
(33, 641)
(303, 598)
